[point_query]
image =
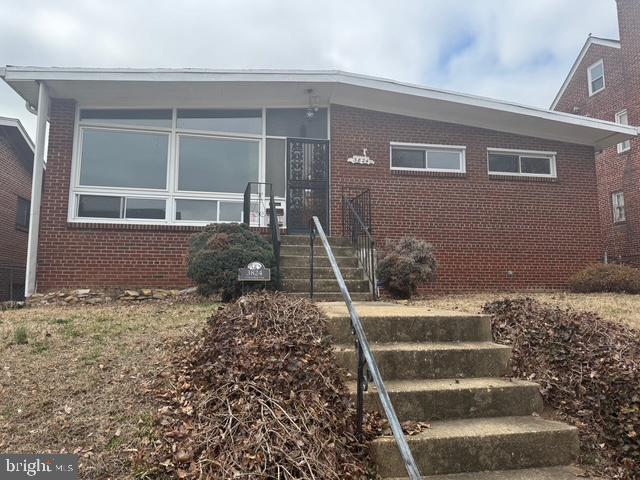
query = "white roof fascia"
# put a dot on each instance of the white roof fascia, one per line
(590, 41)
(15, 123)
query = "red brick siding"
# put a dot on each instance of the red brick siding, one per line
(15, 181)
(73, 255)
(481, 227)
(615, 172)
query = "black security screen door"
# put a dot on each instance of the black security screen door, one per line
(307, 183)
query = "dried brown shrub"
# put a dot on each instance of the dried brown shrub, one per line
(606, 278)
(588, 369)
(258, 395)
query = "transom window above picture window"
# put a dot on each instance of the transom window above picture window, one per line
(127, 117)
(623, 119)
(595, 74)
(428, 158)
(521, 163)
(229, 121)
(617, 202)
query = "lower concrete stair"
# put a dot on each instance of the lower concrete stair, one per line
(295, 269)
(444, 369)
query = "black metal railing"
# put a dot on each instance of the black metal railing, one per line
(364, 357)
(357, 225)
(260, 210)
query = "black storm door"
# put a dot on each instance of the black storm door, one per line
(307, 183)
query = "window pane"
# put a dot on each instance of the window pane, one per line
(22, 213)
(623, 118)
(217, 165)
(294, 122)
(99, 207)
(236, 121)
(200, 210)
(231, 212)
(276, 165)
(146, 118)
(597, 84)
(444, 160)
(149, 208)
(407, 158)
(503, 163)
(535, 165)
(597, 71)
(124, 159)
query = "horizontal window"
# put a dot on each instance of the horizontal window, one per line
(430, 158)
(231, 121)
(208, 210)
(297, 122)
(527, 164)
(208, 164)
(121, 207)
(127, 117)
(124, 159)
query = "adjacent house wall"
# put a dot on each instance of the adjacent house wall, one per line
(15, 180)
(482, 227)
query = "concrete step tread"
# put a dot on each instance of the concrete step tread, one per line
(553, 473)
(283, 254)
(484, 427)
(397, 311)
(401, 386)
(330, 296)
(427, 346)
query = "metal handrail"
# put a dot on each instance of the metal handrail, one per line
(365, 249)
(365, 356)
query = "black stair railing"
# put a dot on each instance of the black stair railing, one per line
(357, 225)
(260, 201)
(365, 358)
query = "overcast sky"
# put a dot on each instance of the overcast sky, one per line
(519, 50)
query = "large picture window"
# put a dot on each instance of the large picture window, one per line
(180, 165)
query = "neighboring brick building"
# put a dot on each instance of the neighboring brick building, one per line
(604, 83)
(138, 160)
(16, 166)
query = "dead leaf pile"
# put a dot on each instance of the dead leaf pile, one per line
(589, 371)
(258, 395)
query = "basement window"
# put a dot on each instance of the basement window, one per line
(427, 158)
(617, 201)
(521, 163)
(596, 77)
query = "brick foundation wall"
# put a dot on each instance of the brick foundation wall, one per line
(542, 230)
(85, 255)
(15, 181)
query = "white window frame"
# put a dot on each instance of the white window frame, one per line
(591, 79)
(171, 193)
(626, 145)
(429, 147)
(617, 205)
(551, 156)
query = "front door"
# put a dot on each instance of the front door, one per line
(307, 184)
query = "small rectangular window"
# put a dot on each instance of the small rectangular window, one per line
(22, 213)
(145, 208)
(127, 117)
(623, 119)
(197, 210)
(230, 212)
(617, 201)
(429, 158)
(95, 206)
(297, 123)
(595, 75)
(525, 164)
(230, 121)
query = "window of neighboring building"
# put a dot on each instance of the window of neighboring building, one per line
(617, 201)
(521, 163)
(427, 158)
(623, 119)
(22, 213)
(181, 165)
(596, 77)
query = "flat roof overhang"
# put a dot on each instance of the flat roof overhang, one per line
(250, 88)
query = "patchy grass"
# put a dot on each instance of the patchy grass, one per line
(79, 384)
(619, 307)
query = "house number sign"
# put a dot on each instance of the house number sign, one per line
(361, 159)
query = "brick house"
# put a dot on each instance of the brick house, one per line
(138, 160)
(16, 167)
(604, 83)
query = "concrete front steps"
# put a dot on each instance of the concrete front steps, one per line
(294, 263)
(443, 368)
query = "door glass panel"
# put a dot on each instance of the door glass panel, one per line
(217, 165)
